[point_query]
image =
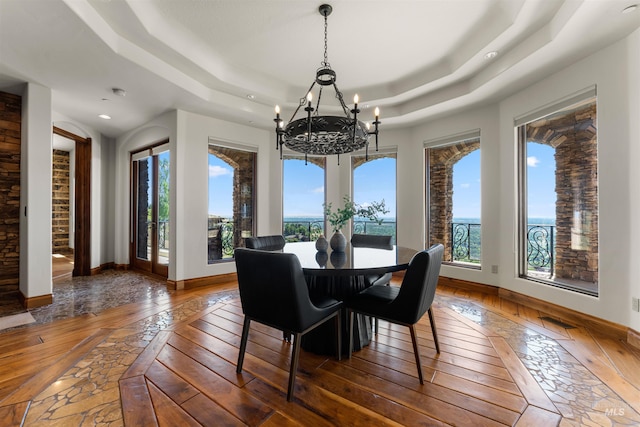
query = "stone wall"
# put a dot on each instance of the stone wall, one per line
(10, 123)
(243, 164)
(60, 206)
(441, 161)
(574, 137)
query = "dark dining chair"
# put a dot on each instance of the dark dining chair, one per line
(379, 242)
(265, 243)
(273, 292)
(404, 305)
(372, 241)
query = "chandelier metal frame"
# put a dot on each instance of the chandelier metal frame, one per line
(318, 134)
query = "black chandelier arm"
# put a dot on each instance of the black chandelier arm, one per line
(355, 112)
(375, 131)
(302, 102)
(341, 99)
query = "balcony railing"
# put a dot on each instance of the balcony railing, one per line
(220, 237)
(465, 242)
(163, 234)
(302, 231)
(466, 245)
(541, 248)
(386, 228)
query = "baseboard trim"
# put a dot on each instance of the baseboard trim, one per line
(101, 268)
(121, 267)
(35, 302)
(201, 281)
(469, 286)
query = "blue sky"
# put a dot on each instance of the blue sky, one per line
(374, 181)
(304, 186)
(541, 179)
(466, 186)
(220, 187)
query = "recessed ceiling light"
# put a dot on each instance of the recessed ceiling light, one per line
(630, 9)
(119, 92)
(104, 116)
(491, 55)
(251, 96)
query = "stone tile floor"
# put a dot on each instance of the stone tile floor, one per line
(91, 294)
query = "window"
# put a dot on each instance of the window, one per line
(231, 200)
(373, 181)
(303, 197)
(453, 213)
(558, 197)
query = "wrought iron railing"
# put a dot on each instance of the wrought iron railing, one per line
(465, 242)
(302, 231)
(541, 248)
(466, 245)
(386, 228)
(220, 234)
(163, 234)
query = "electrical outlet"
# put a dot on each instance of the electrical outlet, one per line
(494, 269)
(635, 304)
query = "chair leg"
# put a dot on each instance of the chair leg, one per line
(350, 316)
(339, 335)
(433, 330)
(376, 325)
(414, 340)
(243, 343)
(294, 364)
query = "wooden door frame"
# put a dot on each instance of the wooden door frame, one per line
(82, 216)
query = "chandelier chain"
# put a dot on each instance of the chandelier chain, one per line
(326, 56)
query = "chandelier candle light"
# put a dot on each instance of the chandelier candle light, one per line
(324, 135)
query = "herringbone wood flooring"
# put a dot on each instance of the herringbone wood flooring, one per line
(171, 361)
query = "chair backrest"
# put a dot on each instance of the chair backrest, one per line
(418, 287)
(371, 241)
(265, 243)
(273, 289)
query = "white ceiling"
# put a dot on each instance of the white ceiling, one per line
(415, 59)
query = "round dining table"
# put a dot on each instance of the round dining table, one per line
(340, 275)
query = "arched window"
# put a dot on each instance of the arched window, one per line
(453, 198)
(558, 196)
(374, 180)
(231, 200)
(303, 197)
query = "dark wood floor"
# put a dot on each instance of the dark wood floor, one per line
(171, 361)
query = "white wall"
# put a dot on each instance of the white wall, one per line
(195, 131)
(35, 192)
(486, 120)
(189, 136)
(614, 70)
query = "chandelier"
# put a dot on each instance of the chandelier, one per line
(317, 134)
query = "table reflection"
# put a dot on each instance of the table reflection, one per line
(339, 275)
(363, 260)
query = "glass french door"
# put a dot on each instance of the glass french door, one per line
(150, 213)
